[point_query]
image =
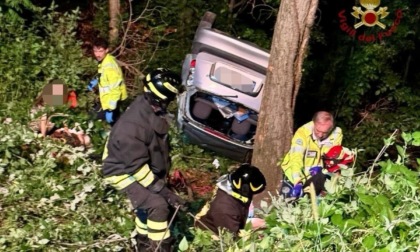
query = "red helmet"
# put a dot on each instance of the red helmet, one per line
(337, 156)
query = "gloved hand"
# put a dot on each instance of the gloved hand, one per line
(315, 170)
(173, 199)
(297, 191)
(109, 116)
(92, 84)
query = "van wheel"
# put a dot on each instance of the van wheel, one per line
(207, 20)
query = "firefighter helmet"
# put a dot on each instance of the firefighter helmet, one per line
(337, 156)
(163, 84)
(247, 180)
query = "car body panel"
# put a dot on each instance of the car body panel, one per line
(224, 81)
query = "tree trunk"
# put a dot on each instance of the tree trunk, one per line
(114, 14)
(275, 123)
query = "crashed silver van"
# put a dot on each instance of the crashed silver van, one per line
(224, 80)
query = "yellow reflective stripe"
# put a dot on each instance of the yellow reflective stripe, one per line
(296, 177)
(203, 211)
(144, 176)
(141, 227)
(105, 154)
(254, 189)
(104, 90)
(120, 182)
(159, 235)
(155, 91)
(239, 197)
(116, 84)
(170, 87)
(296, 149)
(112, 104)
(237, 185)
(157, 230)
(157, 225)
(108, 88)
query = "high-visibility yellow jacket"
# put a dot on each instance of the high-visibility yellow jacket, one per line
(111, 83)
(306, 152)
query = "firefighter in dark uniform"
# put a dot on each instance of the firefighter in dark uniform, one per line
(136, 160)
(229, 207)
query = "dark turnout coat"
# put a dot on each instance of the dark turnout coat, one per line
(137, 155)
(225, 212)
(138, 138)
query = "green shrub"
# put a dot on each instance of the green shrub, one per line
(39, 50)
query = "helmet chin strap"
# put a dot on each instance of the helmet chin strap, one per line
(159, 106)
(224, 184)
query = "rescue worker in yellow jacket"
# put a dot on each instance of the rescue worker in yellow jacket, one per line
(110, 82)
(136, 160)
(303, 163)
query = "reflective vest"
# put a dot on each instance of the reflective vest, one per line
(111, 83)
(306, 152)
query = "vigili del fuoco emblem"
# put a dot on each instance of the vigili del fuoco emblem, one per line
(369, 17)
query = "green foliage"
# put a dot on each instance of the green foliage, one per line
(371, 87)
(12, 10)
(159, 33)
(53, 198)
(186, 156)
(43, 49)
(360, 213)
(48, 190)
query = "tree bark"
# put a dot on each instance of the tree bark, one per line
(275, 123)
(114, 14)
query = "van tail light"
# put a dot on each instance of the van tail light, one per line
(192, 64)
(190, 80)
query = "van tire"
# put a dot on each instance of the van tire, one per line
(207, 20)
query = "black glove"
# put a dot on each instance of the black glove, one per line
(174, 200)
(318, 180)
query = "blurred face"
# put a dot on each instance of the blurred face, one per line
(55, 94)
(99, 53)
(322, 129)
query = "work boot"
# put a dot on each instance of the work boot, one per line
(165, 245)
(143, 243)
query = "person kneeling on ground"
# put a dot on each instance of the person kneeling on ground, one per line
(229, 207)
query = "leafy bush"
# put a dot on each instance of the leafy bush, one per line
(364, 212)
(53, 197)
(39, 50)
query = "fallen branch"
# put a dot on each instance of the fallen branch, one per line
(111, 239)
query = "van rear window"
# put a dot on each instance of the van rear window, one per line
(235, 78)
